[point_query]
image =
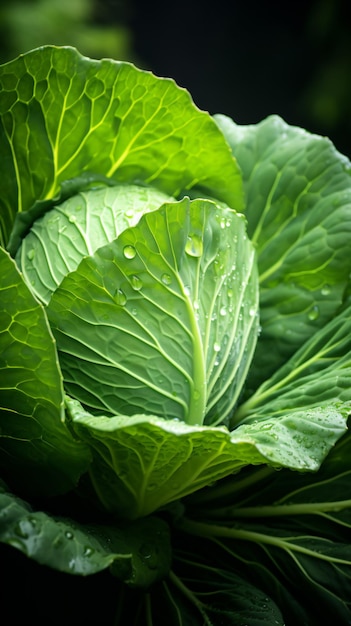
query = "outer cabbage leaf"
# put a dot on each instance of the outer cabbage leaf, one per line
(202, 592)
(298, 207)
(305, 573)
(59, 239)
(318, 374)
(141, 463)
(163, 320)
(138, 554)
(63, 114)
(287, 532)
(37, 448)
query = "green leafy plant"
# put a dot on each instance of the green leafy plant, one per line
(174, 329)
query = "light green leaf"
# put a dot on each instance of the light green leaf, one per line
(164, 319)
(59, 239)
(37, 449)
(318, 374)
(63, 114)
(293, 437)
(138, 554)
(298, 207)
(142, 463)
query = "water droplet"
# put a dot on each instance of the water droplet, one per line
(223, 311)
(129, 252)
(145, 550)
(16, 543)
(325, 290)
(230, 293)
(313, 313)
(137, 283)
(187, 291)
(196, 305)
(120, 297)
(148, 554)
(88, 551)
(166, 279)
(72, 219)
(31, 254)
(151, 486)
(252, 312)
(194, 246)
(68, 534)
(216, 347)
(225, 222)
(21, 531)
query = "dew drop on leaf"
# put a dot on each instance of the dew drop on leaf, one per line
(120, 297)
(68, 534)
(193, 246)
(129, 252)
(166, 279)
(325, 290)
(151, 486)
(31, 254)
(313, 313)
(136, 282)
(20, 531)
(147, 553)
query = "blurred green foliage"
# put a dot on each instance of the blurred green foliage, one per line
(27, 24)
(246, 60)
(325, 101)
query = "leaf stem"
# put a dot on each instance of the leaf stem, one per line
(278, 510)
(190, 596)
(212, 531)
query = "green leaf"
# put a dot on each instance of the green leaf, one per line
(37, 448)
(307, 576)
(141, 463)
(287, 532)
(138, 554)
(299, 439)
(203, 593)
(63, 114)
(163, 320)
(59, 239)
(318, 374)
(298, 199)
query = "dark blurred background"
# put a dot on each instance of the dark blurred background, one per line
(242, 58)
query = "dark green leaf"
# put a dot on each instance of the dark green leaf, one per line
(37, 448)
(138, 554)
